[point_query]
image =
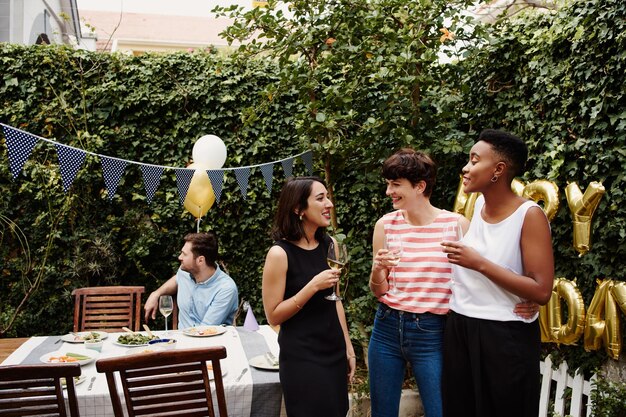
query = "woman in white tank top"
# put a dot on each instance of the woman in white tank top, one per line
(491, 355)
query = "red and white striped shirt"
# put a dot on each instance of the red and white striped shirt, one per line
(423, 275)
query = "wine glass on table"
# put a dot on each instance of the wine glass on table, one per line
(166, 305)
(337, 259)
(393, 244)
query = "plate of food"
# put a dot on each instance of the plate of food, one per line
(82, 357)
(209, 367)
(134, 339)
(204, 331)
(80, 337)
(77, 380)
(267, 361)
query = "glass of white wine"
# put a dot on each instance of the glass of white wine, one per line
(166, 305)
(393, 243)
(337, 259)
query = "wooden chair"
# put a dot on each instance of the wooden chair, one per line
(171, 381)
(36, 390)
(107, 308)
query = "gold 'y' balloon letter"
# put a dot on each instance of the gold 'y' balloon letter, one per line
(582, 208)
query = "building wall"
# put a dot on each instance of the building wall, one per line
(5, 8)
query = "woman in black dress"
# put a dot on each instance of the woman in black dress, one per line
(316, 356)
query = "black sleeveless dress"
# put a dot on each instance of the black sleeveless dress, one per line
(313, 363)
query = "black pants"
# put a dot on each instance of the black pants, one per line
(490, 368)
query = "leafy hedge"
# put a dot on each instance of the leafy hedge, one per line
(554, 79)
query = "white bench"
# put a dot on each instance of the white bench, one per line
(581, 391)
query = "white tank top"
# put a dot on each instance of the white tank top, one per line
(475, 295)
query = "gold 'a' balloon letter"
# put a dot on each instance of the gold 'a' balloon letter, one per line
(603, 324)
(582, 208)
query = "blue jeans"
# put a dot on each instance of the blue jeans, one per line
(399, 337)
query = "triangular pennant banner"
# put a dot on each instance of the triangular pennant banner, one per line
(151, 179)
(183, 179)
(19, 145)
(242, 175)
(217, 181)
(268, 174)
(70, 161)
(287, 167)
(113, 169)
(307, 158)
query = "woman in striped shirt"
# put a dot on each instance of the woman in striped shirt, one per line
(414, 294)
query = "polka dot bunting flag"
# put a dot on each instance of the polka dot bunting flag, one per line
(19, 146)
(113, 169)
(151, 179)
(70, 161)
(217, 182)
(242, 175)
(183, 179)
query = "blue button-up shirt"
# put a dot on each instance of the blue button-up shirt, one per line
(212, 302)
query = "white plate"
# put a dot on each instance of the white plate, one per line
(49, 357)
(212, 375)
(204, 331)
(77, 381)
(262, 362)
(144, 349)
(70, 338)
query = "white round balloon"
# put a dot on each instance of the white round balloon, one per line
(209, 150)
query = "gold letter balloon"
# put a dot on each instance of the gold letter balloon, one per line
(582, 206)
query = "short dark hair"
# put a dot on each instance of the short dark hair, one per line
(203, 244)
(511, 149)
(294, 197)
(413, 165)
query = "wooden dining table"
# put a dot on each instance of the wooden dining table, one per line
(8, 345)
(252, 388)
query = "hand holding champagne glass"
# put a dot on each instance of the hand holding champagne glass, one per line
(166, 305)
(393, 244)
(337, 259)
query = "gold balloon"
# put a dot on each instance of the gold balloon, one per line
(540, 190)
(460, 199)
(616, 297)
(200, 196)
(517, 186)
(546, 317)
(546, 191)
(595, 324)
(582, 208)
(570, 332)
(612, 332)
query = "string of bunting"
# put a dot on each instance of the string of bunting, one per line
(20, 144)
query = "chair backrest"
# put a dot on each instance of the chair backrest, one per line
(107, 308)
(167, 381)
(36, 390)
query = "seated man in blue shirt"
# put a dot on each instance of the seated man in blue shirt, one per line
(205, 294)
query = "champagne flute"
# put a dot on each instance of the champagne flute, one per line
(166, 305)
(452, 232)
(337, 259)
(393, 243)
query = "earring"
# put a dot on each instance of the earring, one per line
(494, 179)
(300, 217)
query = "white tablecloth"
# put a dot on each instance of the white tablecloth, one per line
(241, 345)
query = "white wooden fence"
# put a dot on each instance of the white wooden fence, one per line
(580, 403)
